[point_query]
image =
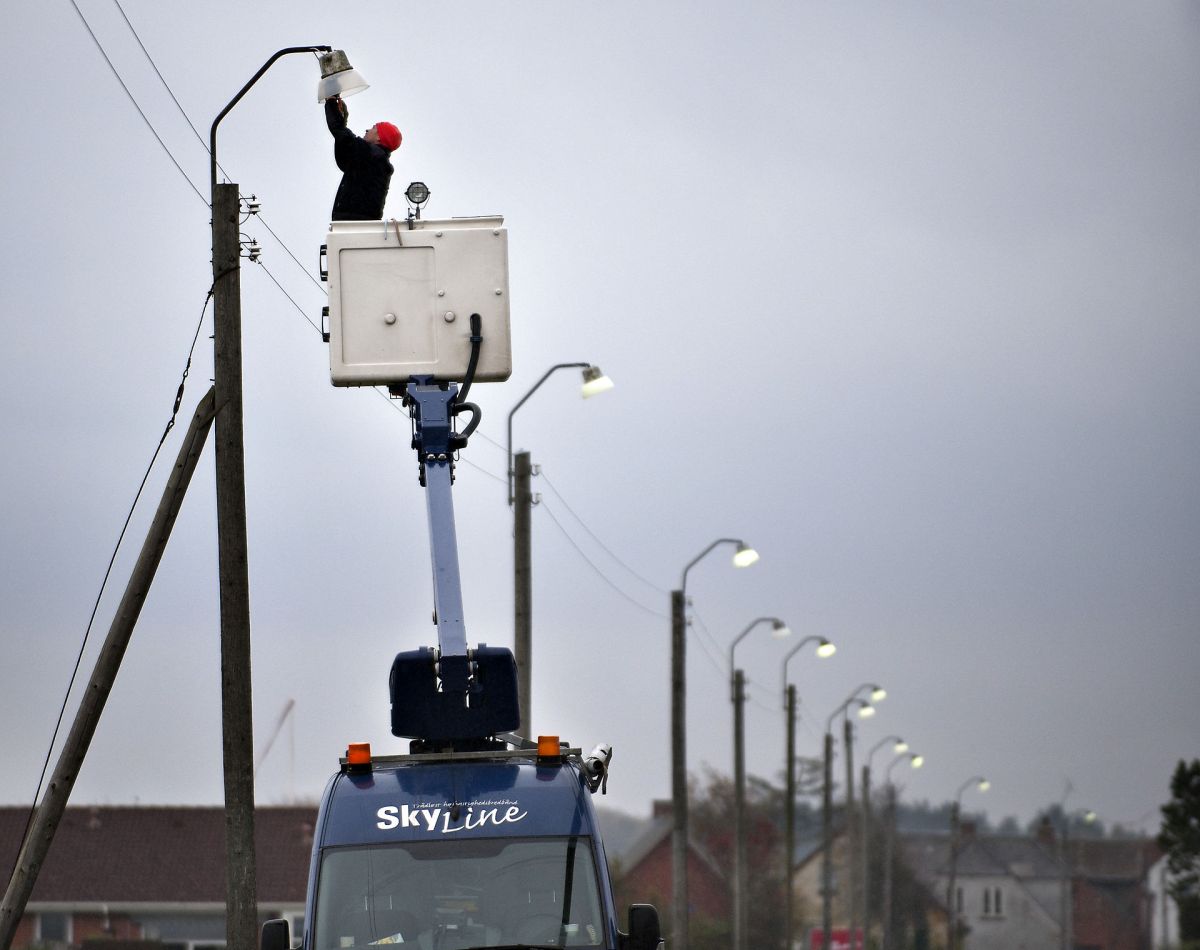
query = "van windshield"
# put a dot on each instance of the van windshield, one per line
(453, 895)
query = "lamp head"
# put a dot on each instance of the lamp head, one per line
(744, 556)
(878, 693)
(984, 785)
(779, 629)
(417, 193)
(595, 382)
(866, 710)
(338, 77)
(918, 761)
(900, 747)
(825, 649)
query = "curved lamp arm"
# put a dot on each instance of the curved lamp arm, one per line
(822, 643)
(212, 135)
(779, 626)
(545, 376)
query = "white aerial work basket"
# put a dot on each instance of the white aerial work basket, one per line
(401, 296)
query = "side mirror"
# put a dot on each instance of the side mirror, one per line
(645, 932)
(277, 935)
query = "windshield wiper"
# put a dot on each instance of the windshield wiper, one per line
(518, 946)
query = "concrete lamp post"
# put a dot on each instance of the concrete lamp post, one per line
(899, 748)
(738, 696)
(237, 732)
(982, 784)
(865, 711)
(889, 841)
(825, 649)
(520, 498)
(743, 556)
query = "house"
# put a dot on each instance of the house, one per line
(1164, 921)
(156, 873)
(1112, 896)
(1007, 890)
(643, 874)
(1018, 892)
(916, 910)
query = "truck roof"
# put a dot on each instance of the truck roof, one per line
(436, 797)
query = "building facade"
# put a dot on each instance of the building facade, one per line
(154, 873)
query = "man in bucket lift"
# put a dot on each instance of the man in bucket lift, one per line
(365, 165)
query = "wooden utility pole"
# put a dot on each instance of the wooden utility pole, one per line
(679, 790)
(49, 812)
(851, 833)
(241, 921)
(789, 840)
(523, 587)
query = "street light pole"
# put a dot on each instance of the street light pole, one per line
(865, 831)
(851, 833)
(739, 781)
(241, 926)
(890, 843)
(520, 499)
(744, 557)
(955, 825)
(864, 709)
(825, 649)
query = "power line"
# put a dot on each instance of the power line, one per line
(112, 560)
(607, 550)
(149, 125)
(199, 138)
(604, 577)
(289, 297)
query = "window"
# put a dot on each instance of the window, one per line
(987, 902)
(993, 902)
(457, 894)
(54, 928)
(958, 899)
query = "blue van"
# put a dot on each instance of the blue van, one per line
(463, 850)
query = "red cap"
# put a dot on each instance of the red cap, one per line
(389, 135)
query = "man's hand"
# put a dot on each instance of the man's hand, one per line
(341, 106)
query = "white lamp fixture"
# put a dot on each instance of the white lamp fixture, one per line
(779, 629)
(826, 649)
(595, 382)
(338, 77)
(744, 556)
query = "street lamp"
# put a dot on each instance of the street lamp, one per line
(744, 556)
(982, 784)
(889, 841)
(738, 696)
(520, 498)
(865, 709)
(899, 747)
(825, 649)
(233, 576)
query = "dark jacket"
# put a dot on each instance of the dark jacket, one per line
(366, 171)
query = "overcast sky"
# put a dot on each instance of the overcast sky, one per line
(904, 294)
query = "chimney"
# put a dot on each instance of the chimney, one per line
(662, 808)
(1045, 832)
